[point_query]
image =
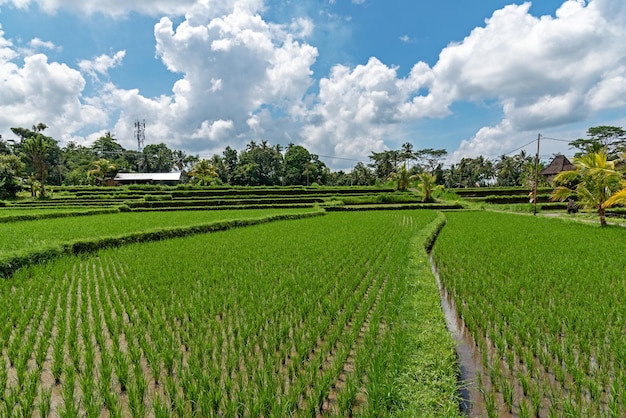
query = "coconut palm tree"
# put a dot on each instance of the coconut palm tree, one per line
(37, 149)
(102, 168)
(402, 178)
(407, 153)
(427, 186)
(598, 185)
(203, 173)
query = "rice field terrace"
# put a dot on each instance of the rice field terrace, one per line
(334, 315)
(543, 300)
(39, 233)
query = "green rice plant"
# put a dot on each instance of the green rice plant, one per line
(507, 392)
(11, 401)
(160, 408)
(177, 401)
(347, 396)
(524, 410)
(106, 372)
(112, 404)
(490, 404)
(45, 396)
(613, 406)
(3, 376)
(595, 390)
(57, 362)
(21, 368)
(495, 374)
(70, 406)
(524, 380)
(29, 394)
(263, 320)
(41, 352)
(566, 322)
(136, 394)
(89, 396)
(122, 364)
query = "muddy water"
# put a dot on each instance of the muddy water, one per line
(470, 359)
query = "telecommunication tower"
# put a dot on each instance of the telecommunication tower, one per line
(140, 133)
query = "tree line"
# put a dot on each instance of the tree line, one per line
(36, 160)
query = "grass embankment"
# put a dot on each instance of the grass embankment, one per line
(337, 315)
(31, 214)
(544, 300)
(429, 380)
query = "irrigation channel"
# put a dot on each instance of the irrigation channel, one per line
(472, 403)
(475, 377)
(473, 372)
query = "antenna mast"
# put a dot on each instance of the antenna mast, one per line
(140, 133)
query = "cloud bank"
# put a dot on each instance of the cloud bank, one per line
(244, 78)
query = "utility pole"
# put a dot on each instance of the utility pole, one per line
(536, 176)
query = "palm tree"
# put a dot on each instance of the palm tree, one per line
(402, 178)
(309, 169)
(180, 160)
(598, 186)
(103, 168)
(407, 153)
(427, 186)
(203, 173)
(37, 148)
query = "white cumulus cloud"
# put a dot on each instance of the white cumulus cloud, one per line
(119, 8)
(242, 78)
(544, 72)
(41, 91)
(101, 64)
(233, 68)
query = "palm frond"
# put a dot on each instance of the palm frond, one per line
(618, 198)
(561, 193)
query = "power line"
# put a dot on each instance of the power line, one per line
(534, 140)
(340, 158)
(556, 139)
(525, 145)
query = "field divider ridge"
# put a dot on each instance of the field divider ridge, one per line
(429, 378)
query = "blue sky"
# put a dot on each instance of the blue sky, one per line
(341, 77)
